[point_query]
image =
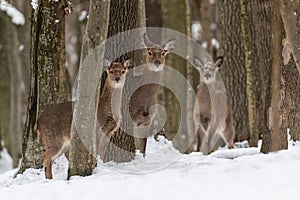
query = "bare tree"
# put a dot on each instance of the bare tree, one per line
(82, 155)
(246, 26)
(276, 139)
(47, 74)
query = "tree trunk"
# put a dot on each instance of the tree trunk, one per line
(5, 64)
(190, 140)
(276, 139)
(47, 74)
(290, 12)
(122, 146)
(233, 71)
(174, 18)
(262, 23)
(250, 72)
(84, 125)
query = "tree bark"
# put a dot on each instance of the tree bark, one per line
(124, 15)
(276, 139)
(290, 12)
(250, 72)
(84, 125)
(233, 71)
(47, 74)
(262, 23)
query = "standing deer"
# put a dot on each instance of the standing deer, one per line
(109, 109)
(146, 96)
(54, 124)
(212, 111)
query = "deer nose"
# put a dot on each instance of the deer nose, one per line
(157, 63)
(117, 79)
(207, 76)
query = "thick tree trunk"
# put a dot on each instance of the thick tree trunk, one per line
(276, 139)
(47, 74)
(250, 72)
(84, 125)
(174, 18)
(233, 70)
(262, 23)
(122, 146)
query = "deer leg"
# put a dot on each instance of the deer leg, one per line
(201, 137)
(48, 165)
(104, 141)
(142, 145)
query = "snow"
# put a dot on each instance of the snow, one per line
(6, 162)
(34, 4)
(240, 173)
(196, 30)
(83, 15)
(215, 43)
(16, 16)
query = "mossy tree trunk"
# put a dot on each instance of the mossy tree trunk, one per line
(47, 74)
(246, 26)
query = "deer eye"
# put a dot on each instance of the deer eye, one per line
(111, 72)
(163, 53)
(123, 72)
(149, 53)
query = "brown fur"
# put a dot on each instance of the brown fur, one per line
(146, 96)
(54, 124)
(210, 121)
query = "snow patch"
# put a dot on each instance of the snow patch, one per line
(215, 43)
(16, 16)
(196, 30)
(83, 15)
(6, 162)
(34, 4)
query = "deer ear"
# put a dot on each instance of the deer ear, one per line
(219, 61)
(170, 45)
(127, 64)
(106, 64)
(197, 62)
(147, 41)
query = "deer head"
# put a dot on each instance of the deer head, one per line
(116, 72)
(155, 57)
(208, 70)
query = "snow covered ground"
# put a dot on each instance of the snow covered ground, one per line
(241, 173)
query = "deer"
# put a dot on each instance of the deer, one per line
(212, 110)
(110, 105)
(145, 97)
(54, 123)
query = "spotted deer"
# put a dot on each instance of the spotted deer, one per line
(212, 111)
(54, 123)
(146, 96)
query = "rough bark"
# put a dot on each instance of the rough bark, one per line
(276, 139)
(290, 12)
(250, 72)
(83, 131)
(124, 15)
(261, 23)
(47, 74)
(233, 71)
(174, 18)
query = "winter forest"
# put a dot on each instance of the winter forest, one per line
(149, 99)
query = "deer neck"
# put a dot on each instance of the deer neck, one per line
(152, 76)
